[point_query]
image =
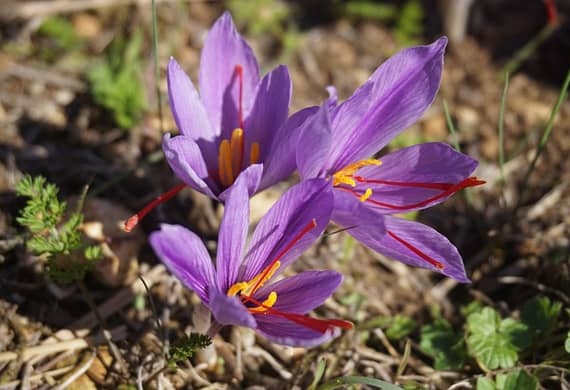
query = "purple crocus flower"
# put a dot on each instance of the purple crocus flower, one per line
(241, 288)
(338, 140)
(237, 122)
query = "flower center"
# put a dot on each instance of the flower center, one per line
(231, 151)
(246, 289)
(346, 174)
(347, 180)
(231, 157)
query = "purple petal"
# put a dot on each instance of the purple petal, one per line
(282, 331)
(224, 49)
(230, 310)
(269, 110)
(186, 257)
(187, 109)
(418, 245)
(346, 117)
(362, 222)
(314, 143)
(251, 177)
(404, 87)
(279, 233)
(233, 232)
(416, 177)
(185, 159)
(303, 292)
(280, 161)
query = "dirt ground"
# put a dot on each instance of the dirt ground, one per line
(514, 237)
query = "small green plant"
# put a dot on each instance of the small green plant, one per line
(495, 342)
(515, 380)
(409, 24)
(501, 346)
(54, 236)
(186, 347)
(58, 36)
(446, 345)
(407, 20)
(116, 82)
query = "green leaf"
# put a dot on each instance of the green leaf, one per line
(184, 348)
(520, 380)
(540, 315)
(567, 343)
(400, 327)
(495, 342)
(484, 383)
(444, 344)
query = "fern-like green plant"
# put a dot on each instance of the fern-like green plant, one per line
(116, 81)
(54, 236)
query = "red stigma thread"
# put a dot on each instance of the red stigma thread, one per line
(418, 252)
(447, 189)
(311, 225)
(135, 219)
(551, 12)
(316, 324)
(239, 73)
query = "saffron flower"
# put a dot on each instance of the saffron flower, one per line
(238, 120)
(336, 145)
(241, 288)
(237, 125)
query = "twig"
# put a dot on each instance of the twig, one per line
(78, 372)
(545, 135)
(31, 9)
(47, 349)
(37, 378)
(539, 286)
(112, 347)
(120, 300)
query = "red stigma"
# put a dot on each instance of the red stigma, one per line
(316, 324)
(551, 12)
(239, 73)
(418, 252)
(446, 188)
(135, 219)
(311, 225)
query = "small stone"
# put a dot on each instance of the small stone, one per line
(435, 127)
(467, 118)
(86, 25)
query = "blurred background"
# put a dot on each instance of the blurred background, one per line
(81, 104)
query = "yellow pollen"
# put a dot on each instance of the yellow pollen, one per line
(236, 288)
(366, 195)
(254, 153)
(248, 288)
(269, 302)
(231, 157)
(225, 163)
(345, 175)
(236, 146)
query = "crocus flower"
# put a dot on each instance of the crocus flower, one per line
(336, 144)
(237, 121)
(241, 289)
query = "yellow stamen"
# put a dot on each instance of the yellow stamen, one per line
(248, 288)
(366, 195)
(236, 146)
(236, 288)
(225, 163)
(254, 153)
(269, 302)
(345, 175)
